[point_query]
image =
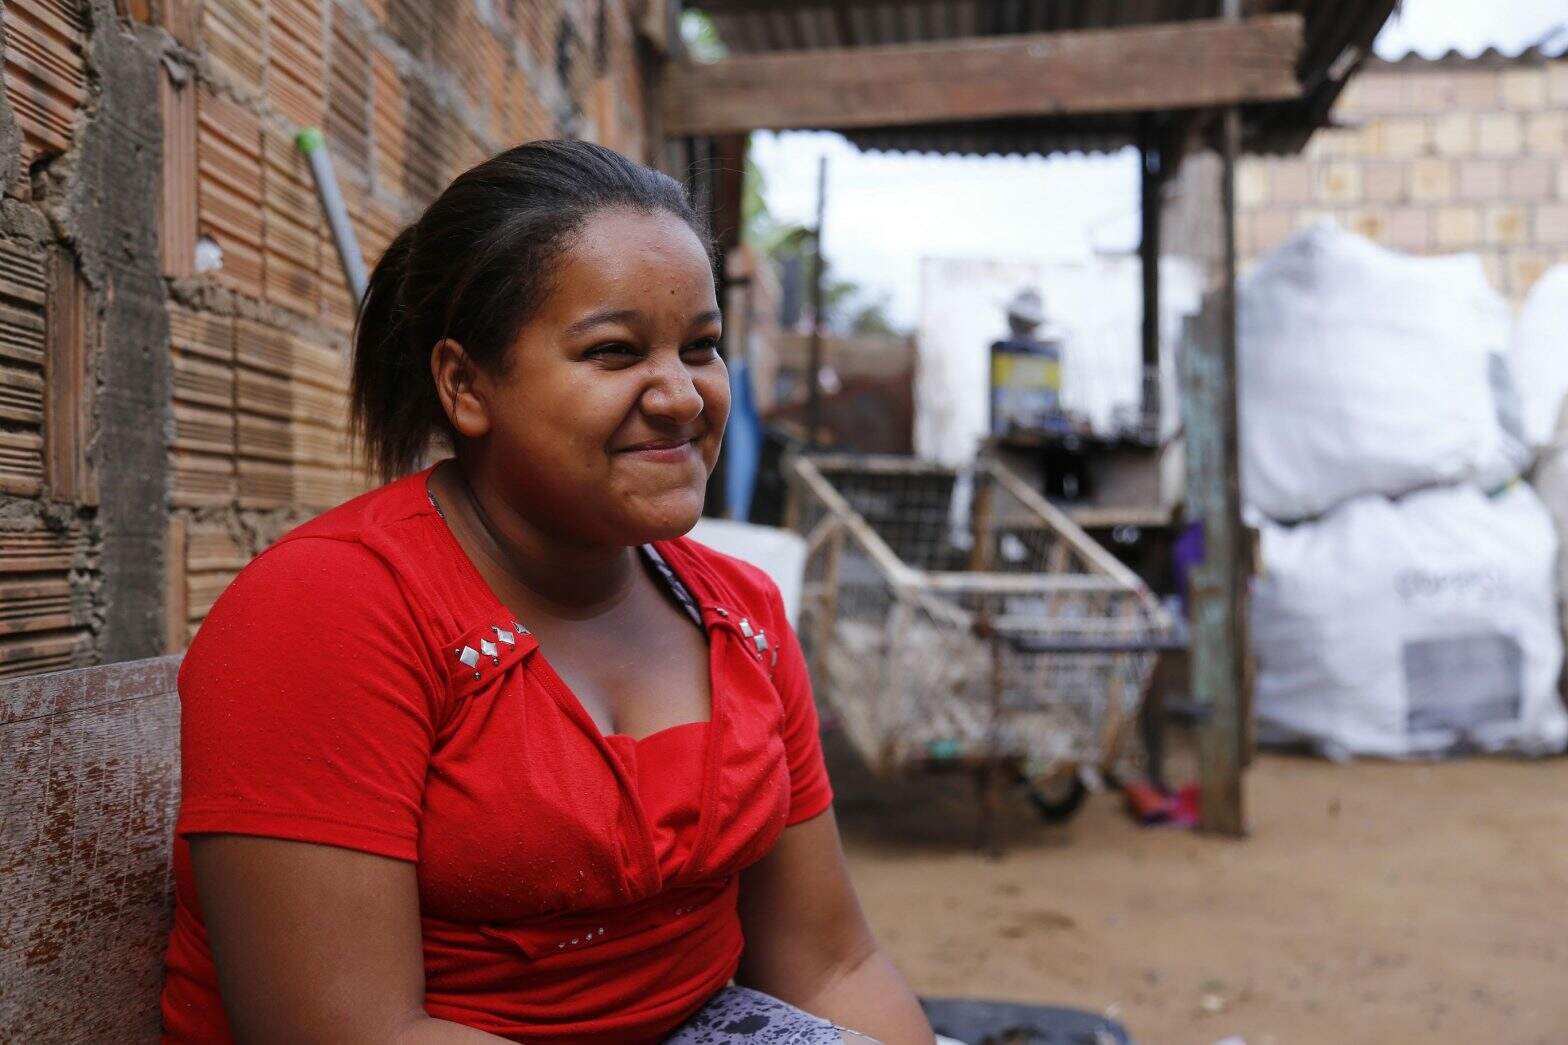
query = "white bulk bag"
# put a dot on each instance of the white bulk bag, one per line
(1540, 355)
(1414, 627)
(1366, 371)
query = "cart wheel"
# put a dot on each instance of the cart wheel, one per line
(1059, 800)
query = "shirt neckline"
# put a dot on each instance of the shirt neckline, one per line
(547, 671)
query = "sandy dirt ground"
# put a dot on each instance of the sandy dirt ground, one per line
(1372, 903)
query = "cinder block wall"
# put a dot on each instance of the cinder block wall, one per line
(163, 420)
(1436, 156)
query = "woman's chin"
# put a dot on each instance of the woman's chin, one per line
(666, 518)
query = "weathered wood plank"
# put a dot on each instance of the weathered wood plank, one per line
(68, 386)
(1189, 64)
(91, 764)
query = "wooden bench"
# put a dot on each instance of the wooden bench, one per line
(89, 789)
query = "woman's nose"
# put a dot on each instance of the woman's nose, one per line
(672, 394)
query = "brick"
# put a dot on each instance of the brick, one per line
(1507, 224)
(234, 34)
(1546, 134)
(1408, 228)
(1383, 181)
(348, 95)
(1453, 134)
(1530, 180)
(1429, 91)
(1499, 134)
(1329, 144)
(1432, 181)
(1480, 180)
(1523, 89)
(1457, 226)
(1557, 83)
(229, 201)
(1496, 271)
(1270, 227)
(389, 125)
(296, 66)
(412, 23)
(1524, 268)
(1339, 183)
(1475, 89)
(430, 129)
(1309, 216)
(459, 46)
(1370, 223)
(1405, 138)
(1383, 92)
(292, 227)
(1352, 100)
(1551, 225)
(1252, 185)
(45, 73)
(376, 227)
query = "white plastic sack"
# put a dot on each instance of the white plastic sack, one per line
(778, 553)
(1551, 483)
(1540, 355)
(1366, 371)
(1412, 628)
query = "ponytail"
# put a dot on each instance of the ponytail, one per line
(394, 404)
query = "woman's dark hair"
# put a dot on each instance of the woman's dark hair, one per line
(473, 268)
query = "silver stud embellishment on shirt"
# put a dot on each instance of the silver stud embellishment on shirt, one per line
(745, 628)
(503, 635)
(468, 655)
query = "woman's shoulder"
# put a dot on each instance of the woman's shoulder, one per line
(342, 569)
(720, 577)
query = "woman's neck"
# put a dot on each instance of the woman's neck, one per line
(567, 580)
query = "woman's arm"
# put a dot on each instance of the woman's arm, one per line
(807, 942)
(316, 944)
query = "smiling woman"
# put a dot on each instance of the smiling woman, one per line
(493, 752)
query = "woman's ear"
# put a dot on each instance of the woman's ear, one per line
(458, 382)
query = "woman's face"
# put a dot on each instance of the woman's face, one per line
(606, 421)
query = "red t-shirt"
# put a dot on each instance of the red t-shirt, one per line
(359, 685)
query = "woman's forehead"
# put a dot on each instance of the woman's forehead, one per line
(632, 261)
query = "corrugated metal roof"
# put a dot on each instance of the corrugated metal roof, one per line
(1339, 35)
(1490, 57)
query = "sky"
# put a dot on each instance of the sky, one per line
(886, 212)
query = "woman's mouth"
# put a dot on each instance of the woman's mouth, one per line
(667, 451)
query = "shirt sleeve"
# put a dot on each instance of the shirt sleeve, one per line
(810, 790)
(307, 704)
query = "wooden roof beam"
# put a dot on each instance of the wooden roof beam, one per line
(1176, 65)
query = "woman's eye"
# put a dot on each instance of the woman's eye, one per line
(707, 346)
(614, 350)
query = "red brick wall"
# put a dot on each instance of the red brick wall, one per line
(408, 93)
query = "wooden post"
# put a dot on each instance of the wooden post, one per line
(1152, 156)
(814, 357)
(1218, 584)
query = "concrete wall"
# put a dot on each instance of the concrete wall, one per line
(160, 425)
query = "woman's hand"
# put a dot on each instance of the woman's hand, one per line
(316, 944)
(807, 942)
